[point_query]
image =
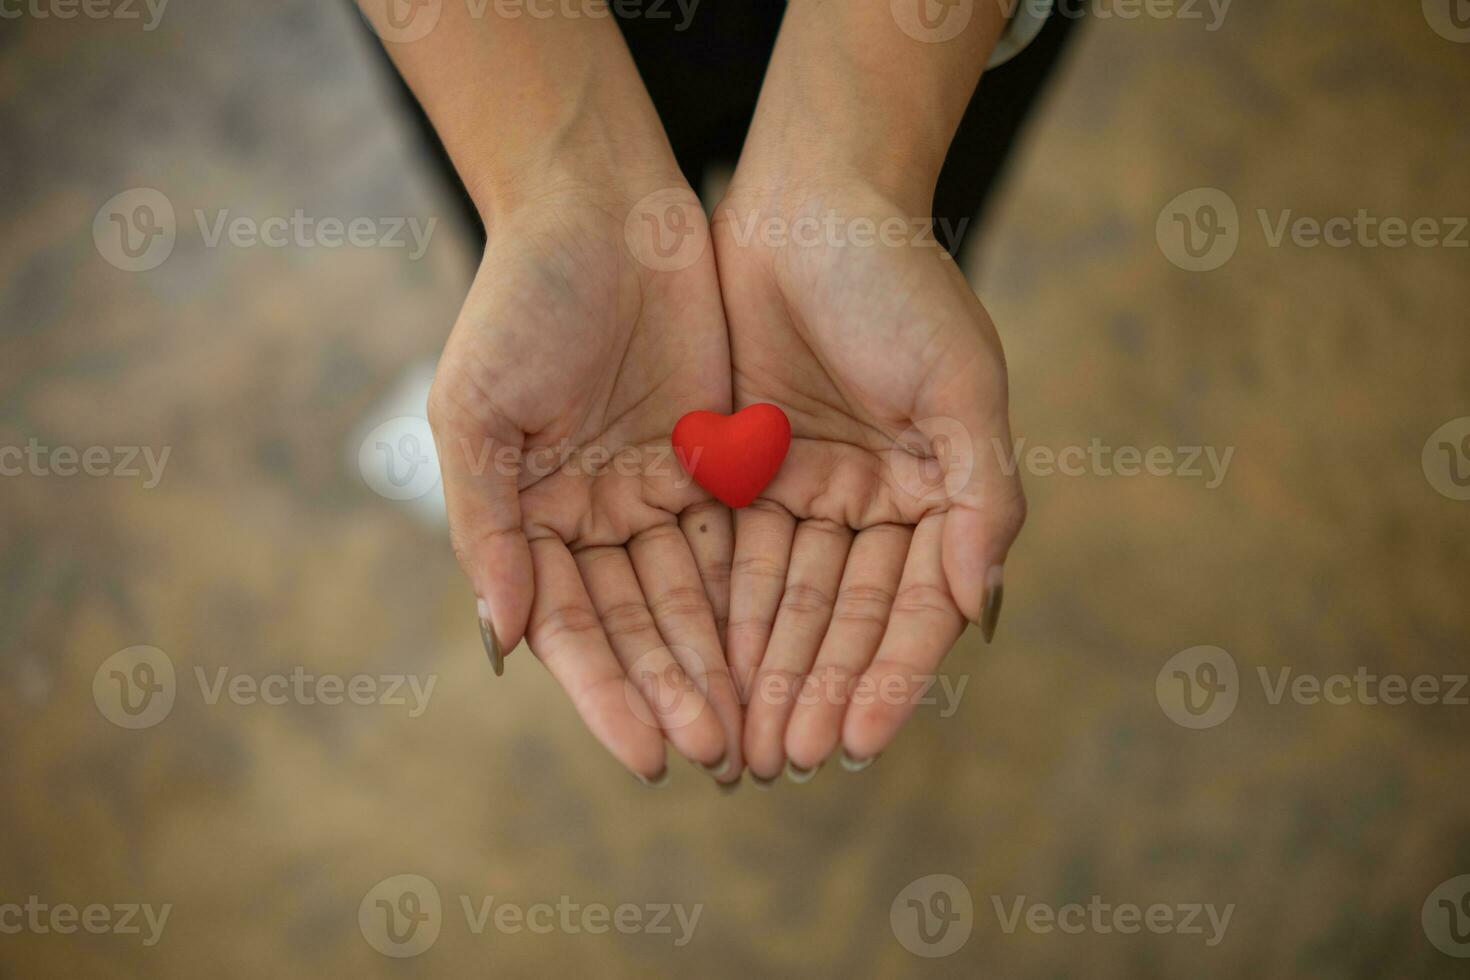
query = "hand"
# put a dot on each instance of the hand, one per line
(888, 526)
(552, 409)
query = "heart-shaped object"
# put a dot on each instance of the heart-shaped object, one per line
(733, 456)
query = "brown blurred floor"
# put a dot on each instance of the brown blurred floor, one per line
(1059, 777)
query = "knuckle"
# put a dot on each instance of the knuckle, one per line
(863, 604)
(763, 506)
(823, 526)
(680, 601)
(758, 566)
(924, 599)
(627, 619)
(803, 597)
(562, 622)
(661, 534)
(755, 629)
(470, 538)
(715, 573)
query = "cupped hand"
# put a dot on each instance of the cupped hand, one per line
(887, 528)
(578, 348)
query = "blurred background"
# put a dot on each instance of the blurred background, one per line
(193, 535)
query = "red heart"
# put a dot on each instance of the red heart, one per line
(733, 456)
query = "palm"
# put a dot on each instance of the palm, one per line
(553, 404)
(845, 569)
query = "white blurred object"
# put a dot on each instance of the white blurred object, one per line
(1027, 22)
(392, 451)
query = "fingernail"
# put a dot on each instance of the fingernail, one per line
(797, 774)
(727, 788)
(487, 635)
(990, 605)
(719, 768)
(657, 782)
(763, 784)
(856, 765)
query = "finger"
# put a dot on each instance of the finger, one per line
(483, 503)
(966, 408)
(923, 626)
(670, 582)
(566, 635)
(679, 707)
(763, 533)
(859, 617)
(818, 555)
(711, 536)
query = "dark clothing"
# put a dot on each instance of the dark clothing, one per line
(704, 81)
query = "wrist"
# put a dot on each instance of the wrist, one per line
(526, 104)
(791, 161)
(584, 142)
(856, 93)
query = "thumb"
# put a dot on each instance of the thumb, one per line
(480, 463)
(969, 429)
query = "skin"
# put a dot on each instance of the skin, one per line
(859, 565)
(888, 524)
(579, 360)
(566, 370)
